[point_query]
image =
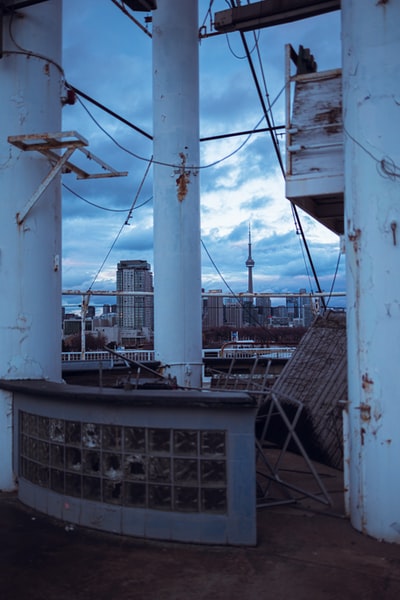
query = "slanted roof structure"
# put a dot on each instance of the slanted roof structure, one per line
(316, 375)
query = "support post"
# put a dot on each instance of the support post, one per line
(30, 275)
(177, 268)
(371, 93)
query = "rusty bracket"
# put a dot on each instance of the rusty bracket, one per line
(49, 144)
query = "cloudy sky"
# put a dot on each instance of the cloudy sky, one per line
(108, 57)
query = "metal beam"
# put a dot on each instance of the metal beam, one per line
(268, 13)
(141, 5)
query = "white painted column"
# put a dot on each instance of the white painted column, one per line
(371, 103)
(177, 268)
(30, 254)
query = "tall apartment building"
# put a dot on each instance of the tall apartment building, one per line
(135, 312)
(213, 309)
(233, 313)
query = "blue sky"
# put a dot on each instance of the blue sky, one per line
(109, 58)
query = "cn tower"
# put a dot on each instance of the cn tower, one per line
(250, 265)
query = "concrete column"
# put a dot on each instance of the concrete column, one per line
(30, 253)
(177, 268)
(371, 104)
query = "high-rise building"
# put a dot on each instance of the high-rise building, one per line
(233, 313)
(213, 309)
(135, 312)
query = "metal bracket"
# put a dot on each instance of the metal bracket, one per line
(48, 144)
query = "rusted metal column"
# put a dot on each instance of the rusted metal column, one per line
(177, 268)
(371, 103)
(30, 252)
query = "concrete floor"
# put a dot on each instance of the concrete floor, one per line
(305, 551)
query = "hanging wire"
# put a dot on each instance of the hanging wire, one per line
(237, 298)
(114, 210)
(298, 224)
(175, 166)
(126, 222)
(334, 279)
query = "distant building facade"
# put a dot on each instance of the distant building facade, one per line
(135, 313)
(213, 309)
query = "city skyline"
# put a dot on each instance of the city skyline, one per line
(246, 187)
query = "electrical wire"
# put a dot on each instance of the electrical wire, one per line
(26, 52)
(126, 222)
(132, 18)
(334, 279)
(386, 166)
(175, 166)
(298, 224)
(237, 298)
(114, 210)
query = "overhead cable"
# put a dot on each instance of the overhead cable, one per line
(278, 155)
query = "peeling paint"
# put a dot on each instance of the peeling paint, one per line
(365, 412)
(183, 180)
(362, 433)
(354, 238)
(366, 381)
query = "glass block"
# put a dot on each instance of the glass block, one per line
(160, 440)
(24, 422)
(186, 442)
(213, 443)
(23, 445)
(23, 467)
(213, 471)
(111, 437)
(32, 425)
(112, 492)
(57, 481)
(134, 494)
(91, 488)
(159, 468)
(73, 433)
(112, 466)
(43, 425)
(185, 470)
(57, 456)
(33, 474)
(32, 447)
(214, 500)
(135, 466)
(186, 499)
(73, 485)
(73, 459)
(160, 497)
(43, 476)
(91, 462)
(90, 435)
(43, 453)
(135, 439)
(28, 470)
(57, 430)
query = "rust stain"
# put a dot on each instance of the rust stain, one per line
(365, 412)
(183, 180)
(46, 69)
(354, 238)
(367, 382)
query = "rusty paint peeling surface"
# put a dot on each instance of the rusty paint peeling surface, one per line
(183, 179)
